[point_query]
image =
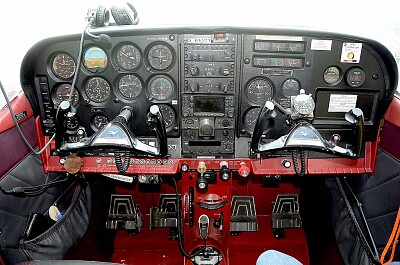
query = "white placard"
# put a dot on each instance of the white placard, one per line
(342, 103)
(351, 52)
(119, 177)
(321, 45)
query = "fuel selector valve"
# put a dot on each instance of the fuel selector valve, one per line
(204, 223)
(224, 171)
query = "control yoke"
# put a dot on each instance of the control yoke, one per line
(304, 136)
(116, 135)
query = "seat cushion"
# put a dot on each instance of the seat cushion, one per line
(65, 262)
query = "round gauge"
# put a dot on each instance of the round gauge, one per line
(161, 87)
(355, 77)
(95, 59)
(62, 93)
(130, 86)
(168, 114)
(128, 57)
(99, 121)
(290, 87)
(259, 90)
(160, 57)
(332, 75)
(304, 104)
(97, 89)
(63, 66)
(250, 119)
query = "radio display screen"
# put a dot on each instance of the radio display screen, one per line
(209, 104)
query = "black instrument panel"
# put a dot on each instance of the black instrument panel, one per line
(210, 84)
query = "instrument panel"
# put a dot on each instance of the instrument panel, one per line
(210, 84)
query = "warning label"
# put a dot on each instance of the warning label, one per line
(321, 45)
(351, 52)
(342, 103)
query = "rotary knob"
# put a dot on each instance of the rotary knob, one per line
(193, 70)
(206, 127)
(224, 71)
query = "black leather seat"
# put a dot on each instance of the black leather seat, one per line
(65, 262)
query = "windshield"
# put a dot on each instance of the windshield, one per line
(36, 20)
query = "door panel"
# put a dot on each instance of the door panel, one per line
(12, 148)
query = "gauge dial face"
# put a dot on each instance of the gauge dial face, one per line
(168, 114)
(250, 119)
(355, 77)
(161, 87)
(304, 104)
(63, 66)
(62, 93)
(95, 59)
(99, 121)
(332, 75)
(160, 57)
(259, 90)
(130, 86)
(97, 89)
(290, 87)
(128, 57)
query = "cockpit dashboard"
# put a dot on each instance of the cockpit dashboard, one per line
(209, 85)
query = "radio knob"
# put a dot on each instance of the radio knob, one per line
(193, 70)
(224, 88)
(206, 127)
(224, 71)
(231, 114)
(194, 87)
(226, 123)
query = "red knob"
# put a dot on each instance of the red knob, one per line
(244, 170)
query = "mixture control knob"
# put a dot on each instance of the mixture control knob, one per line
(224, 70)
(193, 70)
(244, 171)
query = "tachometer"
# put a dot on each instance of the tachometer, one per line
(128, 57)
(160, 57)
(250, 119)
(62, 93)
(161, 87)
(97, 89)
(168, 114)
(130, 86)
(259, 90)
(63, 66)
(95, 59)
